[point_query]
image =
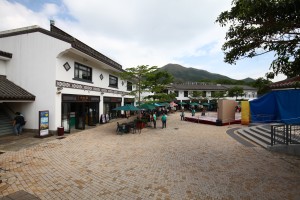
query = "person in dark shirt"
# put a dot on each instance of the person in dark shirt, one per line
(18, 123)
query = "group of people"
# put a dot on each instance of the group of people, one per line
(163, 120)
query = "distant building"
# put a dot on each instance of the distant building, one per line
(184, 91)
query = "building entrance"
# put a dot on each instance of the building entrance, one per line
(79, 111)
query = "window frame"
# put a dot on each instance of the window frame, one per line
(79, 67)
(177, 93)
(186, 93)
(114, 85)
(129, 86)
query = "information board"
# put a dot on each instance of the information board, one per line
(44, 123)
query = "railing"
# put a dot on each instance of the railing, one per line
(285, 134)
(279, 134)
(294, 134)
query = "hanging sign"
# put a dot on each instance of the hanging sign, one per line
(44, 122)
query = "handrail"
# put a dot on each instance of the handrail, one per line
(285, 134)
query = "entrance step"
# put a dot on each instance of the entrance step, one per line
(257, 134)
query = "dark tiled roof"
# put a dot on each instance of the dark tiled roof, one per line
(245, 87)
(207, 87)
(198, 87)
(287, 83)
(61, 35)
(10, 91)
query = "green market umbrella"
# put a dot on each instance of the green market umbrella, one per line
(181, 103)
(205, 104)
(127, 108)
(147, 106)
(164, 104)
(194, 104)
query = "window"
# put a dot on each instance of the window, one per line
(113, 81)
(176, 92)
(82, 73)
(129, 86)
(186, 93)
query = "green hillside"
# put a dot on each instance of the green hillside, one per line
(183, 74)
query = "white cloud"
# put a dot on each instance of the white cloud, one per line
(134, 32)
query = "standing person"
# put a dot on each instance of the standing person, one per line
(164, 120)
(154, 119)
(203, 111)
(193, 111)
(18, 123)
(182, 115)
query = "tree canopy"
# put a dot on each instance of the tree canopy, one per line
(257, 27)
(138, 75)
(236, 92)
(149, 79)
(262, 85)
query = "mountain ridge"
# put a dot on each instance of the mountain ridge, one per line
(184, 74)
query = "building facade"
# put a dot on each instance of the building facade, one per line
(58, 73)
(208, 91)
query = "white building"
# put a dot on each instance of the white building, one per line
(184, 91)
(43, 70)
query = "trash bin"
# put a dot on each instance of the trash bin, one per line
(219, 122)
(60, 131)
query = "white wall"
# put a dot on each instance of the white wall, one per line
(33, 67)
(2, 67)
(97, 69)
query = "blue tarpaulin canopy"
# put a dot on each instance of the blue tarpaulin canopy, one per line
(277, 106)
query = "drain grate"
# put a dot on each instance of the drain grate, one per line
(2, 152)
(61, 138)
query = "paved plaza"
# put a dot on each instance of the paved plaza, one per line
(184, 161)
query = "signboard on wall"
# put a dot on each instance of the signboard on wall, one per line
(44, 122)
(79, 98)
(112, 99)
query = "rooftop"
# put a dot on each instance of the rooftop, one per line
(10, 91)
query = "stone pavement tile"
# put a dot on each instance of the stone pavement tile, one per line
(184, 161)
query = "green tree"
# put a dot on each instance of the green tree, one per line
(219, 94)
(257, 27)
(262, 85)
(196, 95)
(138, 76)
(149, 79)
(157, 81)
(235, 92)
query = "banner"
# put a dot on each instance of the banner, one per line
(44, 123)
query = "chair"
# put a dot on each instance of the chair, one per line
(133, 127)
(120, 130)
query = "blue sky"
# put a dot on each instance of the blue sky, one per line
(134, 32)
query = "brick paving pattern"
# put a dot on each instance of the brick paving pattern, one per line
(184, 161)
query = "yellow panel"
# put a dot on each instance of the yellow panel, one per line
(245, 106)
